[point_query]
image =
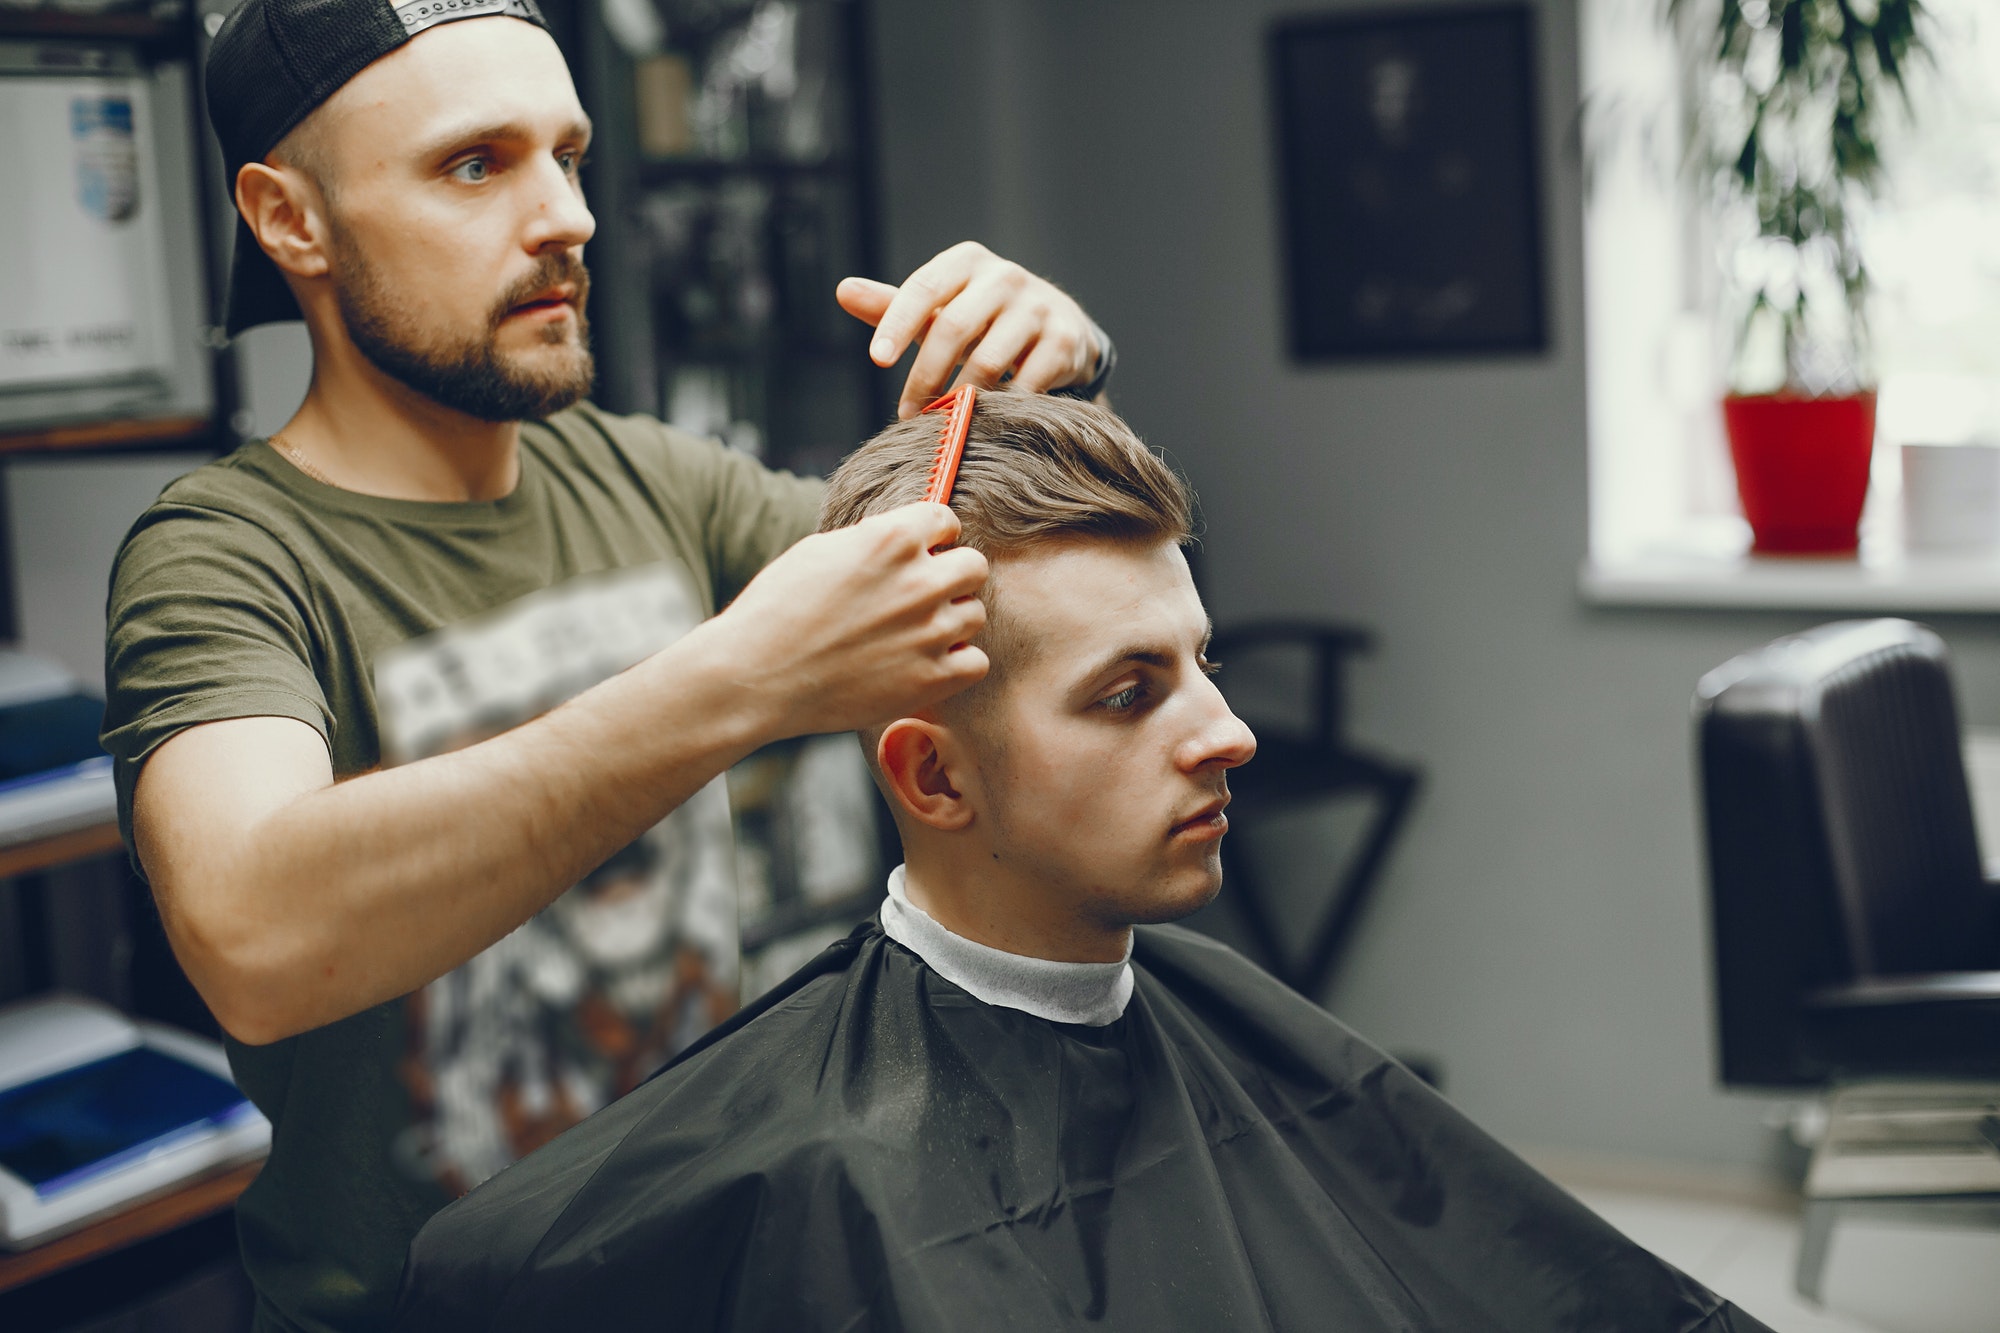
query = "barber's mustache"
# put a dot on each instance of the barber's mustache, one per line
(552, 270)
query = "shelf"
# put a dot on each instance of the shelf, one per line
(702, 170)
(129, 27)
(151, 432)
(27, 858)
(1878, 581)
(156, 1217)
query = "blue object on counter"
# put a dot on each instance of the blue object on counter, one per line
(44, 734)
(77, 1125)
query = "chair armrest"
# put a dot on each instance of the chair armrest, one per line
(1918, 988)
(1937, 1024)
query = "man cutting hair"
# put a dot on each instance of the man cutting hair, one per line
(383, 687)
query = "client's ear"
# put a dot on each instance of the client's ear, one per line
(916, 758)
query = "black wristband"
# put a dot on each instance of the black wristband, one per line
(1107, 359)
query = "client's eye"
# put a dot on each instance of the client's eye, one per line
(472, 170)
(1121, 701)
(1209, 668)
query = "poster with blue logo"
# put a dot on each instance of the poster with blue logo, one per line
(83, 284)
(106, 156)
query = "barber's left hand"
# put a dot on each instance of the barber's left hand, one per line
(969, 307)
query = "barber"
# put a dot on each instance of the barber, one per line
(383, 687)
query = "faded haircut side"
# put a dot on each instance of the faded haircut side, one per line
(1038, 471)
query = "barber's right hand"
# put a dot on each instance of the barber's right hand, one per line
(854, 627)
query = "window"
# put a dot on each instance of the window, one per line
(1662, 487)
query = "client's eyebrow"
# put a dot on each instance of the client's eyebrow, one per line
(1145, 654)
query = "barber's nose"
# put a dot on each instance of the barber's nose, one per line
(560, 218)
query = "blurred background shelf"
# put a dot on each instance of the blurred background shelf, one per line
(128, 26)
(29, 858)
(671, 171)
(733, 177)
(179, 432)
(142, 1222)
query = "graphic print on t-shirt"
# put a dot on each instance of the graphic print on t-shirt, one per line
(580, 1004)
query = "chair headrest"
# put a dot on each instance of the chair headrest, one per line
(1788, 675)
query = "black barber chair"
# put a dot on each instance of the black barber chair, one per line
(1856, 937)
(1855, 932)
(1302, 765)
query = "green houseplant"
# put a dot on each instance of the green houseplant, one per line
(1788, 100)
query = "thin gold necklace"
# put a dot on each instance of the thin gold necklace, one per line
(298, 461)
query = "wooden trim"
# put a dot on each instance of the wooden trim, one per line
(155, 1217)
(28, 857)
(110, 434)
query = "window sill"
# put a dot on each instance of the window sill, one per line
(1884, 578)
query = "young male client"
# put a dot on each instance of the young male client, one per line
(1001, 1106)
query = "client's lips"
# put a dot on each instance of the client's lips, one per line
(1207, 822)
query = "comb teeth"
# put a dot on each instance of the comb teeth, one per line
(951, 443)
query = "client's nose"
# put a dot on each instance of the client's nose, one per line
(1222, 740)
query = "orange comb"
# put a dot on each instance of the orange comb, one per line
(951, 445)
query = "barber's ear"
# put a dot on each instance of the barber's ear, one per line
(916, 758)
(285, 213)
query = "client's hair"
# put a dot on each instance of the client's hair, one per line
(1038, 471)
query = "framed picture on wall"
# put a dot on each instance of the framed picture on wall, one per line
(83, 292)
(1411, 194)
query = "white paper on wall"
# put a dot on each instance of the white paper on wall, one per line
(83, 292)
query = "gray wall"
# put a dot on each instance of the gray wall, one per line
(1541, 929)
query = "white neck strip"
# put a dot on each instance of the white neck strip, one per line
(1092, 994)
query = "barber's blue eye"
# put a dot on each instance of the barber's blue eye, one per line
(1124, 699)
(473, 169)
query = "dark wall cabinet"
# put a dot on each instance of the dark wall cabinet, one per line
(732, 178)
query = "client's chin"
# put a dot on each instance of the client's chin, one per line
(1182, 896)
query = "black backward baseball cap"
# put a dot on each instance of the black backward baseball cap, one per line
(272, 63)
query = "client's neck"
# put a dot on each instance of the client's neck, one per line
(991, 905)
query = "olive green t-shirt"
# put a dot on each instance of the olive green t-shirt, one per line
(401, 629)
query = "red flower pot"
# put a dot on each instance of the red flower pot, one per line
(1801, 469)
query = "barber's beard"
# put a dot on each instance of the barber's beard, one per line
(470, 374)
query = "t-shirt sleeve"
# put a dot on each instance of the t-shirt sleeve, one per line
(744, 514)
(206, 621)
(754, 515)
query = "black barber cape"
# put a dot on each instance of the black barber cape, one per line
(869, 1147)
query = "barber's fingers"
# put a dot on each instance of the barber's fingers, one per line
(954, 331)
(926, 533)
(922, 294)
(967, 615)
(865, 298)
(929, 524)
(1061, 357)
(965, 665)
(961, 572)
(999, 352)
